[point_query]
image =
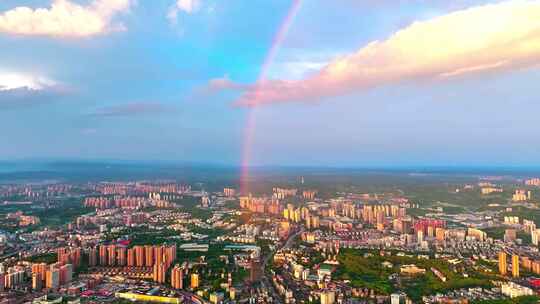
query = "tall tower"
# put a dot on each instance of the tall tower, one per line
(515, 266)
(503, 267)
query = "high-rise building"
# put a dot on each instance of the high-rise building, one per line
(255, 271)
(92, 257)
(476, 234)
(440, 234)
(158, 254)
(131, 257)
(75, 257)
(380, 217)
(52, 279)
(395, 298)
(14, 277)
(521, 195)
(430, 231)
(229, 192)
(41, 269)
(194, 280)
(420, 236)
(515, 266)
(159, 272)
(62, 255)
(216, 297)
(425, 223)
(69, 256)
(328, 297)
(503, 267)
(103, 255)
(315, 222)
(170, 255)
(139, 256)
(510, 235)
(177, 277)
(535, 234)
(121, 252)
(37, 281)
(149, 256)
(111, 252)
(533, 182)
(66, 273)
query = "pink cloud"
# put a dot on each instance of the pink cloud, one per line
(217, 85)
(496, 37)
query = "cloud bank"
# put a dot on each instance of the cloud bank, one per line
(64, 19)
(496, 37)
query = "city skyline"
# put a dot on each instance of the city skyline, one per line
(309, 83)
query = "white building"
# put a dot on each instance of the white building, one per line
(534, 236)
(514, 290)
(395, 298)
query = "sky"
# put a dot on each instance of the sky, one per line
(301, 82)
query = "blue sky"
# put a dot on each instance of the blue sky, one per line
(137, 85)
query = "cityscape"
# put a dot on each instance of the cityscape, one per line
(278, 151)
(434, 238)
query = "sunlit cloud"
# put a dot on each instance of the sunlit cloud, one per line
(11, 81)
(185, 6)
(224, 83)
(65, 18)
(218, 85)
(490, 38)
(19, 90)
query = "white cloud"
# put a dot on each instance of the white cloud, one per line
(20, 90)
(186, 6)
(64, 18)
(489, 38)
(11, 81)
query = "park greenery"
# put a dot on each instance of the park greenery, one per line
(364, 269)
(51, 215)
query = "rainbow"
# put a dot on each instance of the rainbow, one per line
(249, 130)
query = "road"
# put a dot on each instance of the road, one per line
(266, 281)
